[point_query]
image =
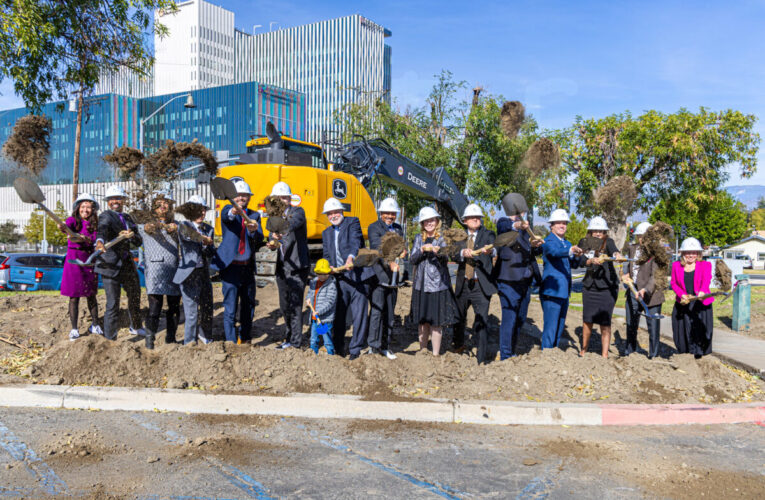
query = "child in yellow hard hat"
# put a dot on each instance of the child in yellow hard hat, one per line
(321, 299)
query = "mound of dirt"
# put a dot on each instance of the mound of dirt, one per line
(81, 447)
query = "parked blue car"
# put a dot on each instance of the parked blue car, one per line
(35, 271)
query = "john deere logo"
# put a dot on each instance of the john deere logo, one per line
(339, 189)
(400, 170)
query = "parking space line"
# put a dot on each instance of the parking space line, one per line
(51, 483)
(233, 475)
(434, 487)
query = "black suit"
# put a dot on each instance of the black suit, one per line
(477, 292)
(292, 266)
(351, 284)
(382, 305)
(117, 269)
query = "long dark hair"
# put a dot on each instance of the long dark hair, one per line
(92, 220)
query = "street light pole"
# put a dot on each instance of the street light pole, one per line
(189, 104)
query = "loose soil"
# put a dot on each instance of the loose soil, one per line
(556, 375)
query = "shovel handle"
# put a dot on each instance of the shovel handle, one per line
(532, 235)
(247, 220)
(642, 302)
(119, 238)
(58, 220)
(703, 296)
(342, 268)
(313, 312)
(478, 251)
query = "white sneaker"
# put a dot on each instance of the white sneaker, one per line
(74, 335)
(204, 340)
(141, 332)
(390, 355)
(95, 329)
(285, 345)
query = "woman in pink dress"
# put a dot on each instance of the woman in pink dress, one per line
(81, 281)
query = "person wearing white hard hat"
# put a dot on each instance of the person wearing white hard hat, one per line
(116, 265)
(235, 260)
(193, 272)
(692, 323)
(474, 285)
(600, 285)
(558, 257)
(433, 303)
(81, 281)
(292, 266)
(641, 274)
(515, 271)
(341, 243)
(382, 304)
(160, 251)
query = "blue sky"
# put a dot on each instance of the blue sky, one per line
(561, 58)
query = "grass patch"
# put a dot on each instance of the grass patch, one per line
(10, 293)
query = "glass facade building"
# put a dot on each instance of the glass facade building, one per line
(224, 119)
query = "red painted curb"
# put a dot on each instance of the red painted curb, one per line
(680, 414)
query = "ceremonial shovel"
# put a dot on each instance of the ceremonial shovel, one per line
(30, 192)
(703, 296)
(224, 189)
(642, 302)
(515, 204)
(503, 240)
(97, 253)
(365, 258)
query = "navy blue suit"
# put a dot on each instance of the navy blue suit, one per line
(351, 284)
(383, 303)
(514, 271)
(237, 272)
(555, 289)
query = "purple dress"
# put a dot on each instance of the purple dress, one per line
(79, 281)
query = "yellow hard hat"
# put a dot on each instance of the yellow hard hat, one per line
(322, 267)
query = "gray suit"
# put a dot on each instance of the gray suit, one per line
(292, 268)
(193, 276)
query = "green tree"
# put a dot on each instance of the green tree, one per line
(681, 158)
(761, 202)
(758, 219)
(34, 229)
(53, 48)
(8, 233)
(577, 229)
(721, 221)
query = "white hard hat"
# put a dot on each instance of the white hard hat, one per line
(472, 210)
(165, 194)
(281, 189)
(691, 245)
(332, 204)
(597, 224)
(427, 213)
(388, 205)
(642, 228)
(559, 215)
(84, 197)
(198, 200)
(242, 187)
(115, 192)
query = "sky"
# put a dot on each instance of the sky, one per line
(560, 58)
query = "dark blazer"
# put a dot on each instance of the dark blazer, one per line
(293, 253)
(602, 277)
(645, 279)
(191, 252)
(109, 227)
(351, 240)
(376, 231)
(517, 262)
(228, 250)
(481, 263)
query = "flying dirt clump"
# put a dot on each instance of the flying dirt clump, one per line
(653, 246)
(616, 197)
(166, 163)
(275, 206)
(392, 245)
(511, 118)
(723, 275)
(127, 161)
(191, 211)
(29, 143)
(542, 156)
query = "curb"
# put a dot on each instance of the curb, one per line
(354, 407)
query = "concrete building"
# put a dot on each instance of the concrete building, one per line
(752, 246)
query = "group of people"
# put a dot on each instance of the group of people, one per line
(179, 257)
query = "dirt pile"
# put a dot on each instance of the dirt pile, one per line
(81, 447)
(29, 143)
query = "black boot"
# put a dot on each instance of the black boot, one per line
(149, 340)
(170, 338)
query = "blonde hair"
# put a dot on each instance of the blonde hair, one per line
(436, 232)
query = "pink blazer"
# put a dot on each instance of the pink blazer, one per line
(702, 279)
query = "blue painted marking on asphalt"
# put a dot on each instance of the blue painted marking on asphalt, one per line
(234, 476)
(51, 483)
(176, 497)
(538, 489)
(438, 489)
(17, 492)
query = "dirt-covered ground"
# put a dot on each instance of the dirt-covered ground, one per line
(39, 322)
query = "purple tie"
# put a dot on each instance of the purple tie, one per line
(122, 218)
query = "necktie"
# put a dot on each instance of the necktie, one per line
(338, 254)
(469, 269)
(122, 219)
(242, 236)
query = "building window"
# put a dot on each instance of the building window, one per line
(760, 256)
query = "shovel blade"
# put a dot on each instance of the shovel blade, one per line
(28, 190)
(514, 204)
(222, 188)
(506, 239)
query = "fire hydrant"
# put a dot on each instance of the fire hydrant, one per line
(742, 303)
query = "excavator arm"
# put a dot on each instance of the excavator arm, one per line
(376, 158)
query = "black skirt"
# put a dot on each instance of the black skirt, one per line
(692, 327)
(598, 305)
(435, 308)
